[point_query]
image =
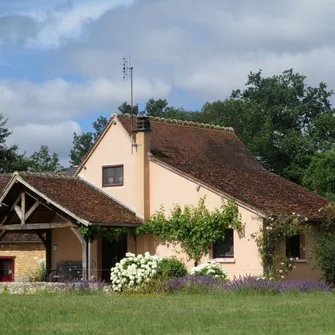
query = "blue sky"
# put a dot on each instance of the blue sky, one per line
(61, 61)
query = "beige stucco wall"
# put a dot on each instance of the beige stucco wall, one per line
(165, 187)
(26, 256)
(305, 268)
(115, 149)
(69, 249)
(169, 188)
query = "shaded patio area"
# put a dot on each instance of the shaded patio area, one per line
(54, 208)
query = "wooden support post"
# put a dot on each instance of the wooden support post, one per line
(48, 251)
(2, 234)
(31, 210)
(83, 243)
(43, 240)
(88, 259)
(23, 208)
(47, 244)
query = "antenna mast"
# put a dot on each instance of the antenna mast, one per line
(128, 71)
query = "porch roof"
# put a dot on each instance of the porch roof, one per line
(81, 201)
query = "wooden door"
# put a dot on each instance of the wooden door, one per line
(112, 252)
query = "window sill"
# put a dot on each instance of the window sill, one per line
(223, 260)
(300, 261)
(112, 185)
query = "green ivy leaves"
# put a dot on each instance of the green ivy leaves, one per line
(195, 227)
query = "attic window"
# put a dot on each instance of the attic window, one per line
(112, 175)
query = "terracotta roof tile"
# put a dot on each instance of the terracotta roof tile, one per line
(218, 158)
(4, 180)
(20, 237)
(80, 198)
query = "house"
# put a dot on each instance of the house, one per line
(138, 164)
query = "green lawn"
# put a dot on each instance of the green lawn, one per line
(173, 314)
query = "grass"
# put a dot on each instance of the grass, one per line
(300, 313)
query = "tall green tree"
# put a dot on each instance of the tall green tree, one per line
(320, 174)
(161, 108)
(125, 108)
(83, 142)
(283, 121)
(155, 107)
(44, 161)
(10, 159)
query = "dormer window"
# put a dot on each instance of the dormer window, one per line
(112, 175)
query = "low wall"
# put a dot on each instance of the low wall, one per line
(47, 288)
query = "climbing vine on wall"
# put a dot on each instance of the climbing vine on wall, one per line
(272, 236)
(325, 247)
(111, 234)
(195, 227)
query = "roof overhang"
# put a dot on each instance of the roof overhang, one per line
(18, 179)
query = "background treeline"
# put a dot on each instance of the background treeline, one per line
(288, 125)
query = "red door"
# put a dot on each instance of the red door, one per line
(6, 269)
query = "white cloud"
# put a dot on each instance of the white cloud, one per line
(58, 137)
(66, 23)
(59, 100)
(203, 49)
(40, 26)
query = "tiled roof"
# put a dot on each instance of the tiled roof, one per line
(217, 158)
(80, 198)
(20, 237)
(4, 180)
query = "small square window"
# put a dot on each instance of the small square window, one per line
(224, 248)
(112, 176)
(295, 246)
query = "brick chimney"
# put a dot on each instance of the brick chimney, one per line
(142, 141)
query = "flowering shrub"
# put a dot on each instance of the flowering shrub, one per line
(286, 266)
(247, 284)
(133, 271)
(171, 267)
(194, 284)
(209, 269)
(273, 233)
(40, 273)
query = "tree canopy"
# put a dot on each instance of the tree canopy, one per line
(283, 121)
(44, 161)
(83, 142)
(10, 159)
(287, 124)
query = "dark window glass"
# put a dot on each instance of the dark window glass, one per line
(294, 246)
(112, 176)
(224, 248)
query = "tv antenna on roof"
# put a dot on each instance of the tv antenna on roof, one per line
(128, 71)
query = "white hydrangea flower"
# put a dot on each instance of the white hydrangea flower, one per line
(210, 269)
(133, 270)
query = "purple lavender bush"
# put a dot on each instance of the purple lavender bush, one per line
(193, 284)
(247, 284)
(82, 286)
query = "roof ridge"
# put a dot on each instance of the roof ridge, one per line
(182, 122)
(45, 174)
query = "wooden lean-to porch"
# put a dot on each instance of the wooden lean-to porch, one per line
(26, 208)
